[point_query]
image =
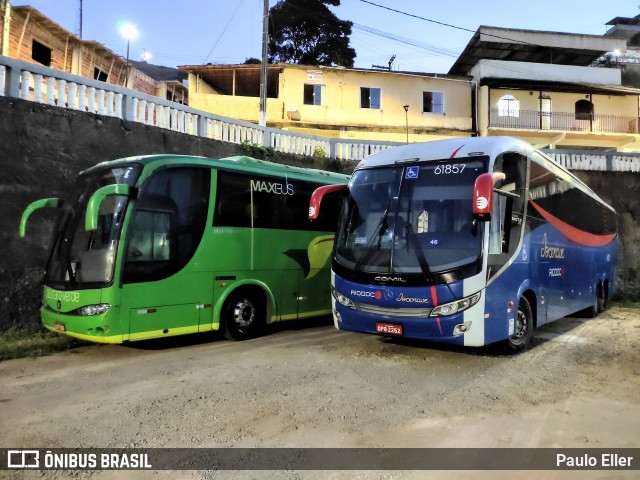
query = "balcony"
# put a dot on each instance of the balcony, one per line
(564, 121)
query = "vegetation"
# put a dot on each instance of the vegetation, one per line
(306, 32)
(33, 342)
(319, 153)
(257, 151)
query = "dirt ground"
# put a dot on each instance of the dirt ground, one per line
(309, 385)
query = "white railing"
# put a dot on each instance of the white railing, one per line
(610, 161)
(37, 83)
(28, 81)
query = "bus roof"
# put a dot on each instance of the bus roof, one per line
(445, 149)
(466, 147)
(241, 163)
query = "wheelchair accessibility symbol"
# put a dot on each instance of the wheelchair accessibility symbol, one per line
(412, 172)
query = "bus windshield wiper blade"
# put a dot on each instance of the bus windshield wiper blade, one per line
(422, 261)
(381, 227)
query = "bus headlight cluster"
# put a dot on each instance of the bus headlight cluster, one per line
(346, 301)
(88, 310)
(455, 307)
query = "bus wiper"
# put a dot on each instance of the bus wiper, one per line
(381, 227)
(422, 261)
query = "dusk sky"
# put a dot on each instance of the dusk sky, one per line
(194, 32)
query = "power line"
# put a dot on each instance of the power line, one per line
(445, 24)
(223, 32)
(418, 16)
(407, 41)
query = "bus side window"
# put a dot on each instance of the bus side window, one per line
(168, 223)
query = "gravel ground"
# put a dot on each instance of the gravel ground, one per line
(307, 385)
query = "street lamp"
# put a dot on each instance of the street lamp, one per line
(130, 32)
(406, 118)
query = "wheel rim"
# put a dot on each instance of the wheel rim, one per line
(521, 328)
(244, 313)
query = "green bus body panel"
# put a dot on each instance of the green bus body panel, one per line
(292, 268)
(43, 203)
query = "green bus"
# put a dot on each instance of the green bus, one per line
(162, 245)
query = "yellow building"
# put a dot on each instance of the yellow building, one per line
(338, 102)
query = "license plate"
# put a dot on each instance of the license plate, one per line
(389, 328)
(60, 327)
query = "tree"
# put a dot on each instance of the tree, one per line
(307, 32)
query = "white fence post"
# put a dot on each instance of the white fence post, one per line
(25, 78)
(82, 98)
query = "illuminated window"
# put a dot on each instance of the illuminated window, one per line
(508, 106)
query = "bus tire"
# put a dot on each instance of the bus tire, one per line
(521, 339)
(602, 300)
(243, 315)
(595, 308)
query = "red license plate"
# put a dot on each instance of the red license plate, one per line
(60, 327)
(389, 328)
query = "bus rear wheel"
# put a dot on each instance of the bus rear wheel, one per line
(602, 299)
(243, 315)
(598, 305)
(523, 333)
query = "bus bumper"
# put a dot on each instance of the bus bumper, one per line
(94, 328)
(436, 329)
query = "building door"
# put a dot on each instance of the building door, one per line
(545, 112)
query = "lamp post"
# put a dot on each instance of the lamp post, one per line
(406, 118)
(130, 32)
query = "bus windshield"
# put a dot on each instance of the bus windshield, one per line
(82, 258)
(411, 219)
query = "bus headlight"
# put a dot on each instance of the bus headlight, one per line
(455, 307)
(88, 310)
(345, 301)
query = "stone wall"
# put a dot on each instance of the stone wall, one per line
(43, 148)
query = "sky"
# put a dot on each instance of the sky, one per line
(196, 32)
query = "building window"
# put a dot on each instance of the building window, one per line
(433, 102)
(40, 53)
(370, 97)
(313, 94)
(100, 75)
(508, 106)
(584, 110)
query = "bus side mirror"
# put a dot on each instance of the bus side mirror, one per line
(317, 196)
(93, 206)
(483, 195)
(38, 204)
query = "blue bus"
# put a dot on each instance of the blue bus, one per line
(469, 241)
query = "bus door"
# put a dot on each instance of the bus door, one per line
(162, 290)
(507, 266)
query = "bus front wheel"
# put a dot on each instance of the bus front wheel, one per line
(523, 333)
(243, 315)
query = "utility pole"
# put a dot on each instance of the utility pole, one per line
(80, 14)
(263, 70)
(5, 28)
